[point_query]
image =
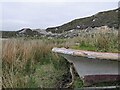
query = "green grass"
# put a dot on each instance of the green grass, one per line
(78, 83)
(84, 47)
(97, 41)
(93, 48)
(48, 76)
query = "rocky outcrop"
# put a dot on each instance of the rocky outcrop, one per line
(27, 32)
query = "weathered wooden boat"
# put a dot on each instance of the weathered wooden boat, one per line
(92, 67)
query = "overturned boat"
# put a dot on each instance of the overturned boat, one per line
(93, 67)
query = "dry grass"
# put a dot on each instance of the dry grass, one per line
(98, 41)
(20, 57)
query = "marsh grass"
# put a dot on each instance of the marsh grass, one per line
(29, 63)
(97, 41)
(21, 58)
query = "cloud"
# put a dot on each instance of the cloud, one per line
(59, 1)
(18, 15)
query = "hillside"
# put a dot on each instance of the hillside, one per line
(106, 18)
(20, 33)
(70, 29)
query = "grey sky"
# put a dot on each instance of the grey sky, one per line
(18, 15)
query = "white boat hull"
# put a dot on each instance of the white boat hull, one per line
(86, 66)
(93, 70)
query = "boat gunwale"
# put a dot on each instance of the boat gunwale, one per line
(88, 54)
